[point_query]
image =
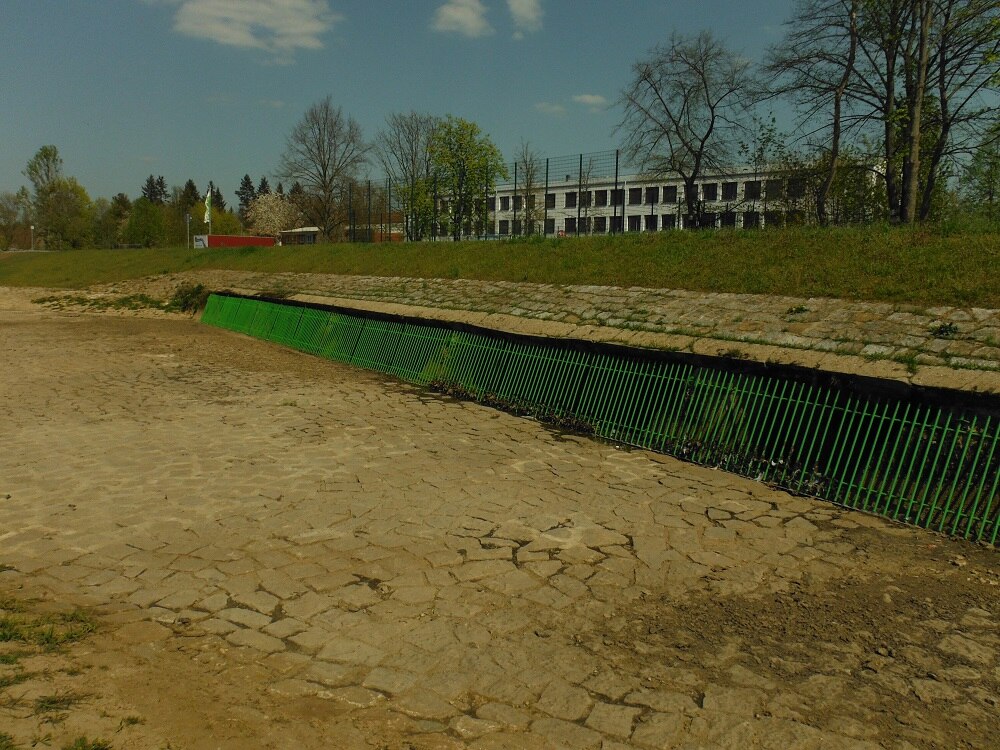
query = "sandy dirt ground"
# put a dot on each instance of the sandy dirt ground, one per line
(281, 552)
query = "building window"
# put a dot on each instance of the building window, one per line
(618, 197)
(550, 200)
(517, 227)
(775, 190)
(796, 187)
(531, 200)
(570, 225)
(751, 219)
(634, 223)
(585, 198)
(585, 225)
(690, 222)
(710, 191)
(774, 219)
(600, 224)
(650, 223)
(492, 203)
(652, 195)
(600, 197)
(751, 190)
(669, 193)
(550, 226)
(504, 227)
(518, 202)
(708, 220)
(616, 224)
(728, 191)
(570, 200)
(669, 221)
(505, 203)
(635, 196)
(729, 219)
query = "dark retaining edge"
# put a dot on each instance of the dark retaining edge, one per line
(974, 402)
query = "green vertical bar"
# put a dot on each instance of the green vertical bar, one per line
(860, 496)
(930, 475)
(856, 416)
(983, 440)
(954, 483)
(982, 483)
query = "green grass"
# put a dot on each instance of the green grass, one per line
(48, 631)
(902, 265)
(82, 743)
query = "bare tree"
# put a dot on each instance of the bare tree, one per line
(813, 66)
(402, 149)
(528, 167)
(324, 153)
(682, 107)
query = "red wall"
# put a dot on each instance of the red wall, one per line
(232, 240)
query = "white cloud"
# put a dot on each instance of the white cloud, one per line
(527, 15)
(549, 108)
(465, 17)
(594, 102)
(279, 27)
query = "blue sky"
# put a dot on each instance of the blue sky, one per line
(209, 89)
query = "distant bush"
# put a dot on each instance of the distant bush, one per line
(189, 298)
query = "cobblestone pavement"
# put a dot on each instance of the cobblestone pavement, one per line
(936, 346)
(301, 554)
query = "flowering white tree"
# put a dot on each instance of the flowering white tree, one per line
(272, 213)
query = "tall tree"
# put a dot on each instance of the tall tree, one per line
(270, 214)
(529, 167)
(65, 214)
(44, 168)
(155, 190)
(980, 179)
(402, 147)
(813, 66)
(246, 193)
(466, 165)
(263, 187)
(324, 152)
(683, 107)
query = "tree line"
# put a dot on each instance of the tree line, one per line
(896, 108)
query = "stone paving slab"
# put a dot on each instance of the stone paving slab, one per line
(440, 574)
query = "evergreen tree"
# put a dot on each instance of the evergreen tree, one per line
(280, 190)
(218, 202)
(264, 187)
(155, 190)
(246, 194)
(189, 196)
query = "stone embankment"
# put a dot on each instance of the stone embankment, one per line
(947, 347)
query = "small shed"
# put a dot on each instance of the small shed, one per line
(300, 236)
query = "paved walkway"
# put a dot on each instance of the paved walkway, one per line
(445, 575)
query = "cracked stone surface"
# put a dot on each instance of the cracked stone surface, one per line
(336, 559)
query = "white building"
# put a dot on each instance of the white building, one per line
(637, 203)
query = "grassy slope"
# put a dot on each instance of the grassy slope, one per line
(876, 263)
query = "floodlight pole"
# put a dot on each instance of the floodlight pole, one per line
(32, 236)
(187, 221)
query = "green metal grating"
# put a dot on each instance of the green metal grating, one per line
(914, 461)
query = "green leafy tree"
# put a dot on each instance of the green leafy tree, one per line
(65, 214)
(10, 214)
(145, 225)
(44, 168)
(270, 214)
(466, 165)
(980, 179)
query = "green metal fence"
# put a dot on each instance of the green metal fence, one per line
(904, 457)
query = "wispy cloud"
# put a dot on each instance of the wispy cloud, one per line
(278, 27)
(593, 102)
(527, 15)
(550, 108)
(465, 17)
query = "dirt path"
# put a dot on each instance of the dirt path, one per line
(283, 552)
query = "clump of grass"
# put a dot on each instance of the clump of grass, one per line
(49, 631)
(7, 742)
(796, 310)
(50, 704)
(189, 298)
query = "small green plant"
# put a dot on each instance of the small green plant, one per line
(7, 742)
(796, 310)
(944, 330)
(130, 721)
